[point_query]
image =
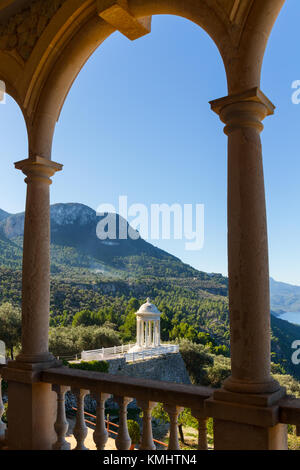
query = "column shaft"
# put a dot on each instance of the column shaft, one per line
(248, 269)
(36, 260)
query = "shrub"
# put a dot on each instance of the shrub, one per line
(68, 341)
(134, 431)
(292, 385)
(97, 366)
(4, 416)
(196, 358)
(216, 375)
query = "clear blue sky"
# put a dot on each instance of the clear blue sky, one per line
(137, 123)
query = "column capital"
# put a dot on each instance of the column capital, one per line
(246, 109)
(254, 95)
(38, 168)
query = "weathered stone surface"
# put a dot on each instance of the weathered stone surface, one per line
(23, 30)
(169, 368)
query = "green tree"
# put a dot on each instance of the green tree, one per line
(132, 306)
(68, 341)
(10, 326)
(85, 318)
(196, 358)
(128, 330)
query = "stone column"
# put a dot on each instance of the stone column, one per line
(36, 259)
(31, 402)
(147, 332)
(143, 333)
(151, 333)
(138, 332)
(245, 410)
(248, 270)
(158, 333)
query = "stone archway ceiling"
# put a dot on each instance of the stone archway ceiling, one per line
(23, 22)
(233, 14)
(21, 31)
(236, 11)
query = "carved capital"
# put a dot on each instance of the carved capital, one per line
(38, 169)
(243, 110)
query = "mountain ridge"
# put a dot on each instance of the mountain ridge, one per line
(74, 225)
(74, 243)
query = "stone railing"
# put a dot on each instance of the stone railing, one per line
(105, 353)
(174, 397)
(151, 352)
(123, 350)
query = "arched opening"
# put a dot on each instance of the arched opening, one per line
(14, 146)
(280, 144)
(137, 119)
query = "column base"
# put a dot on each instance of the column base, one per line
(237, 436)
(242, 386)
(32, 407)
(31, 416)
(35, 358)
(247, 421)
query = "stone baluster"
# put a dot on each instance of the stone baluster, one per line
(61, 425)
(123, 440)
(2, 425)
(147, 436)
(100, 435)
(202, 431)
(173, 412)
(80, 429)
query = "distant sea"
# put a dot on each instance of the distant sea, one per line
(292, 317)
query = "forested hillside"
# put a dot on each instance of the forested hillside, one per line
(95, 282)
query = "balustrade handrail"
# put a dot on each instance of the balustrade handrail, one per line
(289, 411)
(174, 397)
(190, 396)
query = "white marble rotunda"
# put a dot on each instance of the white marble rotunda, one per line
(147, 327)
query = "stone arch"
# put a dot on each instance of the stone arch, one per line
(41, 81)
(10, 69)
(44, 105)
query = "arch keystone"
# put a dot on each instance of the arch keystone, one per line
(117, 14)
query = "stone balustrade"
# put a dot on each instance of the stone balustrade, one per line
(174, 397)
(101, 386)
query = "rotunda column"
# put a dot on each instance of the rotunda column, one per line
(158, 332)
(147, 333)
(143, 333)
(138, 332)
